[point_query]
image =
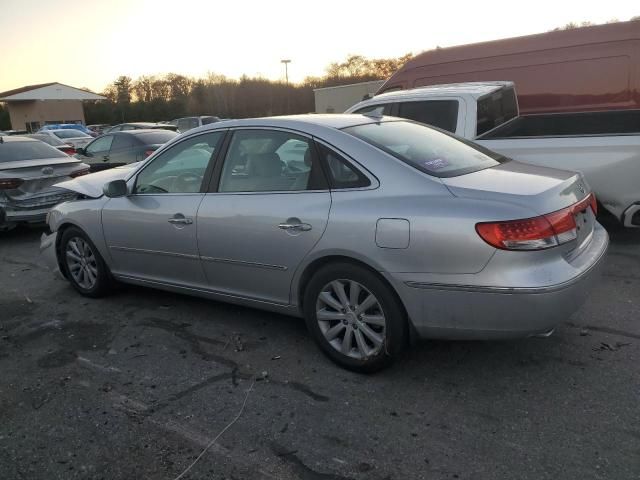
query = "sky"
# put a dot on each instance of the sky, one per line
(88, 43)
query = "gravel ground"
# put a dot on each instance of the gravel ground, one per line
(137, 384)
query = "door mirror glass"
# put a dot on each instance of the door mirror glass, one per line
(115, 188)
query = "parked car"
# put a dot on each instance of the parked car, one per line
(187, 123)
(603, 146)
(68, 126)
(98, 128)
(54, 141)
(120, 148)
(140, 126)
(29, 169)
(376, 229)
(75, 138)
(557, 71)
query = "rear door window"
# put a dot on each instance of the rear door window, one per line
(439, 113)
(122, 142)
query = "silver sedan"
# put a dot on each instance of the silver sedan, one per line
(375, 230)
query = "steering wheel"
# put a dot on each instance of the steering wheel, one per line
(188, 182)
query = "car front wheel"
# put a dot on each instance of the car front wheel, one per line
(83, 264)
(355, 317)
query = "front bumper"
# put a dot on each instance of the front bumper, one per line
(48, 252)
(476, 312)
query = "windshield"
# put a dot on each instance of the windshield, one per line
(425, 148)
(28, 150)
(70, 133)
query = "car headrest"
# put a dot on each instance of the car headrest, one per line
(264, 165)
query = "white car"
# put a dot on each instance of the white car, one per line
(603, 146)
(73, 137)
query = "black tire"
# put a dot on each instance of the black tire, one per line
(103, 281)
(395, 330)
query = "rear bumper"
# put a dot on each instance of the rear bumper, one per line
(10, 216)
(469, 312)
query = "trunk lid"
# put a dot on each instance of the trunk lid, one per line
(541, 190)
(38, 180)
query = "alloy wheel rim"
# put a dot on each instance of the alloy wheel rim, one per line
(81, 262)
(351, 319)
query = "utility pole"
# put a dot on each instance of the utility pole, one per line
(286, 69)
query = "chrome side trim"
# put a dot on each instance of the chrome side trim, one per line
(245, 264)
(154, 252)
(195, 290)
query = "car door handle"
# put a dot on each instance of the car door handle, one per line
(300, 227)
(179, 219)
(105, 158)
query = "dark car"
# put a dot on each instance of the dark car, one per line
(120, 148)
(123, 127)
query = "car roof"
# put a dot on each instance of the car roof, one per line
(141, 131)
(137, 123)
(469, 89)
(334, 121)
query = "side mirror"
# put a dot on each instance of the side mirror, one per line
(115, 188)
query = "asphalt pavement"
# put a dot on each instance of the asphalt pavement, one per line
(136, 385)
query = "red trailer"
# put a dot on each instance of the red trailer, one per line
(577, 70)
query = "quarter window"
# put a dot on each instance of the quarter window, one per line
(267, 161)
(341, 173)
(181, 168)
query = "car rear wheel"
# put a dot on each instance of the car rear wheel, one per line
(83, 264)
(355, 317)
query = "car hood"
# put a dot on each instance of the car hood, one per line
(91, 185)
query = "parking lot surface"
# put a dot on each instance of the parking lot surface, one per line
(135, 385)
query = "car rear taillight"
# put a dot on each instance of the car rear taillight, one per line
(10, 183)
(147, 153)
(536, 233)
(68, 150)
(79, 173)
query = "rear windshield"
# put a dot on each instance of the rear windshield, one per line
(159, 136)
(427, 149)
(46, 139)
(31, 150)
(496, 109)
(69, 133)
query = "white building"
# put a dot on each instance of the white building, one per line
(338, 99)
